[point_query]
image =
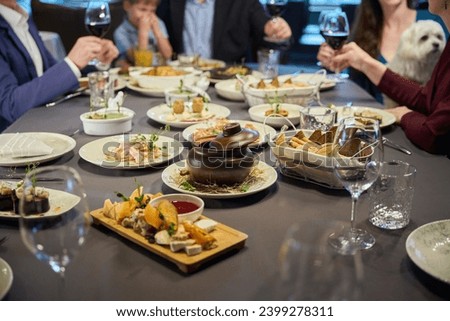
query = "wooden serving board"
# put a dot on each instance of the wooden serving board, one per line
(227, 239)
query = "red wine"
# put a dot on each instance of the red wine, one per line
(184, 207)
(335, 40)
(98, 29)
(275, 10)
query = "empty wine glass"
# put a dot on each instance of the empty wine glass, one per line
(275, 9)
(54, 216)
(358, 155)
(97, 20)
(334, 27)
(310, 269)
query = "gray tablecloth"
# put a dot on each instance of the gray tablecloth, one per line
(112, 268)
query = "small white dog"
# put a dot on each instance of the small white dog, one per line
(419, 49)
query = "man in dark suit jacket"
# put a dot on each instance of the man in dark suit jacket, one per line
(239, 26)
(22, 86)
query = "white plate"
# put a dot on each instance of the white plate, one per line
(258, 113)
(161, 112)
(266, 133)
(204, 62)
(60, 202)
(228, 89)
(6, 278)
(312, 77)
(269, 173)
(255, 74)
(428, 246)
(61, 145)
(388, 118)
(203, 84)
(93, 152)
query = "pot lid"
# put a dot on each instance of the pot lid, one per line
(233, 136)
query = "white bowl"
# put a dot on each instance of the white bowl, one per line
(291, 95)
(230, 89)
(163, 82)
(107, 126)
(190, 216)
(258, 113)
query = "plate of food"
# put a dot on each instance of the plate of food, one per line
(119, 84)
(21, 149)
(228, 72)
(276, 114)
(53, 204)
(159, 224)
(131, 151)
(326, 83)
(428, 246)
(6, 278)
(230, 89)
(204, 132)
(183, 114)
(261, 177)
(385, 118)
(201, 64)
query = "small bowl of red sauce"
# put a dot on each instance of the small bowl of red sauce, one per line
(189, 207)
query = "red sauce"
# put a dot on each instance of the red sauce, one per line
(184, 207)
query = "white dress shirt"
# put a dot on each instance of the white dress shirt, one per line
(19, 23)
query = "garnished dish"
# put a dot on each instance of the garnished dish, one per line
(230, 72)
(154, 222)
(276, 83)
(276, 114)
(39, 201)
(178, 178)
(204, 132)
(113, 119)
(309, 155)
(183, 114)
(385, 118)
(131, 151)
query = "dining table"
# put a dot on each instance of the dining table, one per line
(110, 267)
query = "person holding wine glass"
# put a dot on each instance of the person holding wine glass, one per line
(29, 75)
(140, 30)
(275, 8)
(335, 29)
(377, 29)
(220, 29)
(424, 111)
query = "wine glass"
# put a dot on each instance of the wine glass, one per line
(54, 216)
(358, 155)
(334, 27)
(275, 8)
(97, 20)
(310, 269)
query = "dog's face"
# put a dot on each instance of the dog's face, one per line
(425, 39)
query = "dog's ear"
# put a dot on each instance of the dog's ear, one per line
(408, 43)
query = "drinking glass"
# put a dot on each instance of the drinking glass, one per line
(275, 8)
(97, 20)
(358, 155)
(334, 27)
(55, 230)
(310, 269)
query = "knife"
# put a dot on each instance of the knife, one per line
(78, 92)
(15, 176)
(391, 144)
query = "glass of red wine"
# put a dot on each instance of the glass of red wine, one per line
(97, 20)
(275, 8)
(334, 27)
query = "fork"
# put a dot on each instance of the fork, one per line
(3, 239)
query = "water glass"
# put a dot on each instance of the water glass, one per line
(317, 118)
(268, 62)
(391, 196)
(101, 87)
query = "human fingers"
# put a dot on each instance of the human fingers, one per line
(108, 51)
(84, 50)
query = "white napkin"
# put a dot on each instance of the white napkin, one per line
(22, 145)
